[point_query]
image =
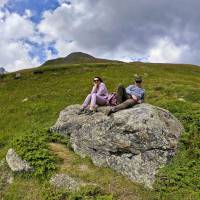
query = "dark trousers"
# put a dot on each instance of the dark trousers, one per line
(123, 99)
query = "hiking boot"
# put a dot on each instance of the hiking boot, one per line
(91, 112)
(81, 111)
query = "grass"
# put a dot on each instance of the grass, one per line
(34, 101)
(83, 168)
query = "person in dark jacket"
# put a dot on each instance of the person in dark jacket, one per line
(128, 97)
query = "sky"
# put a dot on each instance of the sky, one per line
(159, 31)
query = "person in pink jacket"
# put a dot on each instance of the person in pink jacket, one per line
(98, 96)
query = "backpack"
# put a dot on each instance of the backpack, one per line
(112, 99)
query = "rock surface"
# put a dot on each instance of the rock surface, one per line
(15, 163)
(6, 176)
(135, 142)
(63, 180)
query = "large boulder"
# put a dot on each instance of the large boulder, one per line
(16, 163)
(135, 142)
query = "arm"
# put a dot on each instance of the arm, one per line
(142, 98)
(134, 97)
(101, 89)
(94, 89)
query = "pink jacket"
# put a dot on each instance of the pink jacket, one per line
(101, 90)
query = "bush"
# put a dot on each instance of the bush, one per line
(50, 193)
(182, 176)
(33, 147)
(84, 193)
(58, 138)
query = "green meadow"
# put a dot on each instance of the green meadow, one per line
(31, 104)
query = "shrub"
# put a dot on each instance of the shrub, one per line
(182, 176)
(33, 147)
(58, 138)
(84, 193)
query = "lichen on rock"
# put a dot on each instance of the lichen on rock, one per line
(64, 180)
(135, 142)
(16, 163)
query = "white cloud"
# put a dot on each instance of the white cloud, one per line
(65, 19)
(14, 50)
(3, 2)
(15, 55)
(28, 13)
(15, 27)
(109, 29)
(166, 51)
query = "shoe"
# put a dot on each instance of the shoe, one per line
(109, 112)
(91, 112)
(81, 111)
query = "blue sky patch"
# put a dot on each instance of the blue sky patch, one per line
(37, 7)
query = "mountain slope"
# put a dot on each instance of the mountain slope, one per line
(34, 101)
(77, 58)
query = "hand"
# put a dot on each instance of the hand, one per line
(139, 101)
(134, 97)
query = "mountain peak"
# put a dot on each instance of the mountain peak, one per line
(2, 70)
(80, 55)
(77, 58)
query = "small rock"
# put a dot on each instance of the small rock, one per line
(15, 163)
(10, 180)
(63, 180)
(24, 100)
(17, 75)
(182, 99)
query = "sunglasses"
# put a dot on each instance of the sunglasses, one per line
(96, 80)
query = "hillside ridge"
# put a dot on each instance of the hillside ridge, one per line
(78, 58)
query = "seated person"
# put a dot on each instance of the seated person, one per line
(128, 97)
(98, 96)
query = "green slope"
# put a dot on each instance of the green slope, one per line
(35, 100)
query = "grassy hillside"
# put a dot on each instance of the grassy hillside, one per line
(34, 101)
